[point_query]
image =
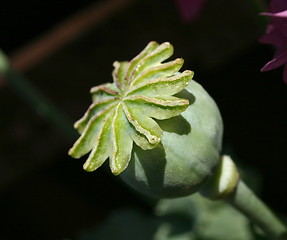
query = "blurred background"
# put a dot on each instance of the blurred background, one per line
(63, 48)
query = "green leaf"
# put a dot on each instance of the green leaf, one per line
(133, 67)
(159, 71)
(119, 73)
(94, 109)
(101, 150)
(90, 135)
(158, 108)
(161, 53)
(140, 139)
(163, 86)
(104, 91)
(143, 124)
(122, 142)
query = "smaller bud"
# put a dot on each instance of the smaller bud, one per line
(224, 181)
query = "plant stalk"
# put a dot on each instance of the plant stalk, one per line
(227, 185)
(244, 200)
(40, 104)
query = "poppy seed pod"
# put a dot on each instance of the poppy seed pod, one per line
(188, 154)
(160, 130)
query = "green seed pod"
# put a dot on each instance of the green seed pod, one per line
(159, 128)
(188, 154)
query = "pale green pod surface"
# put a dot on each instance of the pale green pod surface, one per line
(188, 154)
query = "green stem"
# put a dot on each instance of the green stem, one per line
(227, 185)
(249, 204)
(35, 99)
(40, 104)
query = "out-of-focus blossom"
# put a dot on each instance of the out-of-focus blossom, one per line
(276, 34)
(190, 9)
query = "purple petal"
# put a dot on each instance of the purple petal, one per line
(282, 14)
(277, 6)
(275, 62)
(285, 73)
(272, 36)
(190, 9)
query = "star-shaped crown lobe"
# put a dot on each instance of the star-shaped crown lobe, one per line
(126, 110)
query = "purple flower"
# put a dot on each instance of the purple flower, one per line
(190, 9)
(276, 34)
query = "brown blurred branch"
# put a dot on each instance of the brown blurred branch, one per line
(65, 32)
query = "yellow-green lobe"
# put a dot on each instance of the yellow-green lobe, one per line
(125, 112)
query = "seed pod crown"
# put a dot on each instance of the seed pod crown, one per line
(125, 112)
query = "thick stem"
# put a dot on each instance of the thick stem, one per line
(249, 204)
(227, 185)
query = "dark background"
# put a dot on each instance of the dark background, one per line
(44, 194)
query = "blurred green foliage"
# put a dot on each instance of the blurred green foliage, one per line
(188, 218)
